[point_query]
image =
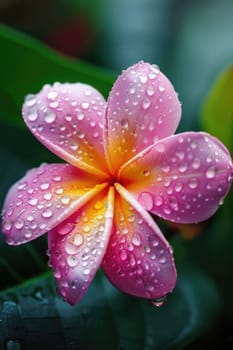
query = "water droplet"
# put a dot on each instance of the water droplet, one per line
(80, 134)
(158, 201)
(146, 103)
(85, 105)
(47, 196)
(150, 90)
(165, 168)
(59, 190)
(54, 104)
(163, 260)
(77, 239)
(7, 225)
(19, 224)
(64, 229)
(161, 88)
(193, 183)
(86, 272)
(33, 201)
(146, 172)
(143, 79)
(131, 218)
(65, 200)
(72, 260)
(136, 239)
(160, 147)
(57, 178)
(211, 172)
(30, 100)
(159, 301)
(124, 123)
(50, 117)
(132, 90)
(47, 213)
(196, 163)
(160, 120)
(146, 200)
(32, 115)
(80, 115)
(123, 255)
(193, 145)
(44, 186)
(183, 168)
(178, 187)
(52, 95)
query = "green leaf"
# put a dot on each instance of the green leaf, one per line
(26, 65)
(217, 109)
(106, 318)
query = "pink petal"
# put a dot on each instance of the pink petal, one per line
(43, 198)
(142, 108)
(68, 119)
(182, 178)
(138, 260)
(77, 246)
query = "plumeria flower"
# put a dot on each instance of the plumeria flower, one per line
(122, 161)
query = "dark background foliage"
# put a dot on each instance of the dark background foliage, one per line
(92, 41)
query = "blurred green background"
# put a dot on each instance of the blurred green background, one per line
(91, 41)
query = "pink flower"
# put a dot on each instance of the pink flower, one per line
(123, 161)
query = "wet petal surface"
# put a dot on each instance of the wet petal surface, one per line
(182, 178)
(44, 197)
(142, 108)
(77, 246)
(68, 119)
(138, 260)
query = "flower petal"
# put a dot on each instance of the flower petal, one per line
(142, 108)
(77, 246)
(138, 260)
(182, 178)
(43, 198)
(68, 119)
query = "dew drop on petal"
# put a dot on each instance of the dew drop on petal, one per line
(77, 239)
(30, 100)
(161, 88)
(124, 123)
(211, 172)
(85, 105)
(193, 183)
(65, 200)
(33, 201)
(52, 95)
(123, 255)
(19, 224)
(136, 239)
(158, 201)
(146, 103)
(72, 261)
(47, 213)
(196, 163)
(50, 117)
(80, 115)
(150, 90)
(146, 200)
(178, 187)
(65, 229)
(160, 147)
(143, 79)
(32, 115)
